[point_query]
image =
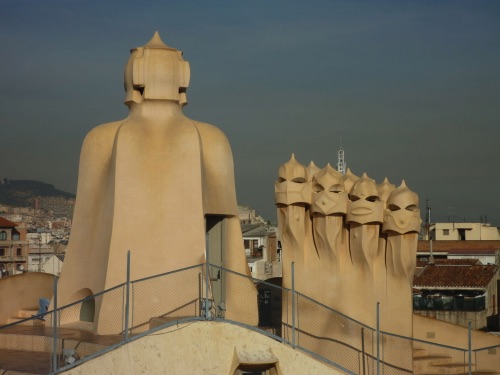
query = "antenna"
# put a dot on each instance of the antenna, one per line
(452, 211)
(427, 220)
(431, 256)
(341, 165)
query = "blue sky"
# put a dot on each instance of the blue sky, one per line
(413, 87)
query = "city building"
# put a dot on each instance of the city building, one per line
(248, 215)
(487, 251)
(463, 232)
(13, 248)
(459, 291)
(41, 251)
(261, 250)
(458, 281)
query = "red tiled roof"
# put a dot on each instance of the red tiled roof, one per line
(472, 246)
(465, 276)
(450, 262)
(4, 223)
(472, 251)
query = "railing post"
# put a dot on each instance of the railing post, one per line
(207, 280)
(200, 291)
(470, 347)
(54, 323)
(378, 338)
(127, 297)
(293, 304)
(363, 349)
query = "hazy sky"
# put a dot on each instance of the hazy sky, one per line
(413, 87)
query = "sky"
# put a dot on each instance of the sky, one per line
(410, 89)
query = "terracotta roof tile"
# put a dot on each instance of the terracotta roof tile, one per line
(455, 276)
(4, 223)
(470, 245)
(450, 262)
(472, 251)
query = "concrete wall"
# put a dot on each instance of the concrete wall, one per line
(462, 318)
(22, 292)
(444, 333)
(198, 348)
(473, 231)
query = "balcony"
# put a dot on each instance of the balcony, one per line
(7, 258)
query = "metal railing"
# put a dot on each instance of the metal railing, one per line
(449, 303)
(100, 323)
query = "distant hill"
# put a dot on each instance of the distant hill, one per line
(22, 193)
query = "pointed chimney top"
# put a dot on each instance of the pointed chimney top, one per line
(156, 42)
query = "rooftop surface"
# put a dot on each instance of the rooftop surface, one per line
(449, 275)
(471, 246)
(4, 223)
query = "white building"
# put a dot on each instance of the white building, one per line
(45, 253)
(46, 262)
(262, 252)
(464, 231)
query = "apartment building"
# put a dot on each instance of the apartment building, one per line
(262, 251)
(13, 248)
(459, 291)
(463, 232)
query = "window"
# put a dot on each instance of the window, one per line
(446, 232)
(3, 235)
(461, 234)
(15, 236)
(2, 252)
(18, 252)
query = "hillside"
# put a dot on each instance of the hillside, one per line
(22, 193)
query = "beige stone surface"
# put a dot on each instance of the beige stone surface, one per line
(146, 184)
(21, 292)
(353, 245)
(444, 333)
(353, 242)
(200, 348)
